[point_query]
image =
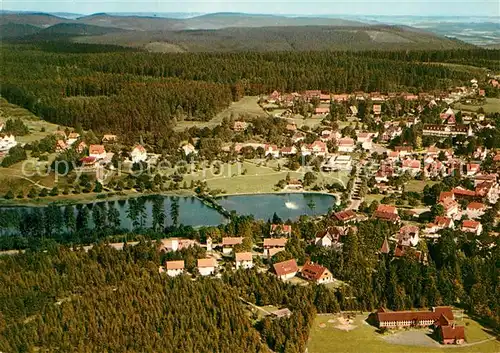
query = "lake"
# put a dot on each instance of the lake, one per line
(192, 212)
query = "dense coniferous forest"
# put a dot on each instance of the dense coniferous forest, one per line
(136, 92)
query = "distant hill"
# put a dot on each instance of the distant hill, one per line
(16, 30)
(222, 32)
(297, 38)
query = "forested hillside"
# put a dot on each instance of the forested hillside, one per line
(105, 90)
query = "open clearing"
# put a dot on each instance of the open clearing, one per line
(256, 179)
(492, 106)
(245, 107)
(328, 335)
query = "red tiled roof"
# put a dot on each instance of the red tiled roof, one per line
(387, 209)
(476, 206)
(285, 228)
(463, 192)
(275, 242)
(230, 241)
(445, 195)
(443, 221)
(384, 316)
(345, 215)
(452, 332)
(286, 267)
(386, 216)
(174, 265)
(96, 149)
(313, 271)
(243, 256)
(210, 262)
(470, 224)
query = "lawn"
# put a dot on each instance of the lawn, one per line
(492, 105)
(249, 177)
(418, 185)
(363, 338)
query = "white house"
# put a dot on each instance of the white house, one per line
(72, 138)
(207, 266)
(471, 226)
(174, 268)
(346, 145)
(243, 260)
(365, 139)
(475, 209)
(138, 154)
(274, 245)
(189, 149)
(343, 162)
(289, 151)
(408, 236)
(286, 269)
(272, 150)
(7, 142)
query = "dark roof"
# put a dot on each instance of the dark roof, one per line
(345, 215)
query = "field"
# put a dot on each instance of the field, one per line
(358, 337)
(249, 177)
(492, 105)
(247, 106)
(418, 185)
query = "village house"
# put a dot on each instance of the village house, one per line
(475, 209)
(291, 126)
(451, 207)
(298, 137)
(272, 150)
(189, 149)
(174, 268)
(281, 229)
(345, 216)
(207, 266)
(97, 151)
(331, 236)
(446, 130)
(281, 313)
(286, 270)
(330, 135)
(175, 244)
(61, 146)
(448, 117)
(240, 126)
(322, 110)
(318, 148)
(463, 194)
(228, 243)
(243, 260)
(471, 226)
(294, 185)
(7, 142)
(138, 154)
(451, 333)
(272, 246)
(412, 166)
(353, 111)
(325, 98)
(346, 144)
(72, 138)
(316, 273)
(408, 236)
(387, 213)
(384, 173)
(109, 138)
(490, 191)
(377, 110)
(80, 148)
(289, 151)
(365, 139)
(440, 223)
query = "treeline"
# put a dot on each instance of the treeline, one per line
(136, 92)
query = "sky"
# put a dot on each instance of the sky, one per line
(296, 7)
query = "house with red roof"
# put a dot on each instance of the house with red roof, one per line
(475, 209)
(412, 166)
(365, 139)
(272, 150)
(322, 110)
(408, 235)
(289, 151)
(298, 136)
(440, 223)
(272, 246)
(207, 267)
(387, 213)
(451, 334)
(243, 260)
(228, 243)
(331, 236)
(240, 126)
(61, 146)
(286, 269)
(316, 273)
(471, 226)
(346, 144)
(97, 151)
(174, 268)
(345, 216)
